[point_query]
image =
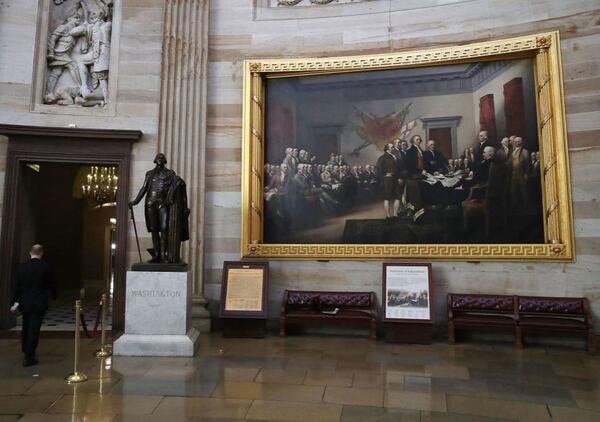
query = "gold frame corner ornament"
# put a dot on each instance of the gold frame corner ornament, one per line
(543, 49)
(254, 67)
(543, 41)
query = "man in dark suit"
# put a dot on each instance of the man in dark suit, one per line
(415, 170)
(388, 169)
(482, 142)
(414, 158)
(434, 161)
(481, 173)
(34, 283)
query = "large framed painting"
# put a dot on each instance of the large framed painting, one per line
(458, 153)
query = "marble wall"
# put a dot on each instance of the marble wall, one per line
(136, 102)
(243, 29)
(246, 29)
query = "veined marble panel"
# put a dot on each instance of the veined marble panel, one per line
(157, 302)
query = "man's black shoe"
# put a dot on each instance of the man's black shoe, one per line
(30, 361)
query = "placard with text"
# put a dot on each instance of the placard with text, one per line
(244, 289)
(407, 292)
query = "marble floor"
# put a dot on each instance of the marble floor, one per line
(304, 378)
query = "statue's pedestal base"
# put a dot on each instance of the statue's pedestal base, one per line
(200, 315)
(161, 267)
(156, 345)
(157, 315)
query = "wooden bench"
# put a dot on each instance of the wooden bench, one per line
(475, 311)
(558, 315)
(308, 307)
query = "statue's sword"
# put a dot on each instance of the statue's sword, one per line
(137, 240)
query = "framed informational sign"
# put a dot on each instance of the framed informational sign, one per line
(244, 289)
(407, 293)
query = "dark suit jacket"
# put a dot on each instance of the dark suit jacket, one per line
(481, 173)
(401, 158)
(386, 164)
(35, 282)
(434, 162)
(412, 160)
(478, 150)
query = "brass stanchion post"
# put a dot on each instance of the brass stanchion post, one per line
(76, 376)
(102, 353)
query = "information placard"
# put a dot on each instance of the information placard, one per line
(407, 292)
(244, 289)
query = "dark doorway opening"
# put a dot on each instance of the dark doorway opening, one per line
(65, 154)
(77, 232)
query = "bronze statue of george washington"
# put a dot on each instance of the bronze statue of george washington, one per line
(166, 211)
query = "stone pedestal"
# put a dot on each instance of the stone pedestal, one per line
(157, 315)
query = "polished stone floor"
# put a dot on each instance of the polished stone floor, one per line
(305, 378)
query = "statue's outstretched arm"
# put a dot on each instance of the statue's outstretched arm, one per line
(142, 191)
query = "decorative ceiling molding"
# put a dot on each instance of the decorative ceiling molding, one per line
(314, 9)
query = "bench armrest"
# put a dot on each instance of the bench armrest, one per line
(516, 314)
(284, 303)
(373, 306)
(450, 312)
(586, 313)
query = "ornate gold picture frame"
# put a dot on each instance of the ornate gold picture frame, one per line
(263, 132)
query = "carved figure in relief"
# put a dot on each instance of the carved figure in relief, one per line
(95, 60)
(86, 26)
(60, 46)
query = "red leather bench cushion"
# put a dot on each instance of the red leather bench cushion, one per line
(564, 306)
(329, 299)
(482, 303)
(362, 300)
(301, 298)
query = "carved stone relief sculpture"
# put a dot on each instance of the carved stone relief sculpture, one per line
(78, 53)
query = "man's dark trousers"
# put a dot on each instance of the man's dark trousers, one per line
(32, 323)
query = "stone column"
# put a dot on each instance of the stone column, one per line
(182, 124)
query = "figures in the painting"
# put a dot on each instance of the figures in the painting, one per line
(411, 182)
(435, 162)
(415, 163)
(362, 169)
(519, 166)
(387, 166)
(483, 142)
(88, 27)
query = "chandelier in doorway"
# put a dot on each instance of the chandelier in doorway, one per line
(101, 185)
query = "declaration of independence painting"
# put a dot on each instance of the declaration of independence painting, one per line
(428, 155)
